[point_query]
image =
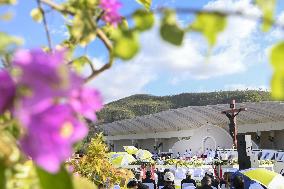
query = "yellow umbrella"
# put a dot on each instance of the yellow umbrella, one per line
(143, 154)
(112, 155)
(269, 179)
(122, 160)
(130, 149)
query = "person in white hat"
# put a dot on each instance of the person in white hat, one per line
(169, 180)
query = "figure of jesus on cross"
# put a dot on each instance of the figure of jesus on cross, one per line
(232, 114)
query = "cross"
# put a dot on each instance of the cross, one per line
(232, 114)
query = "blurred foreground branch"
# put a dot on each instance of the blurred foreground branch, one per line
(45, 25)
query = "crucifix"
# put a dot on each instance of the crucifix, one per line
(232, 114)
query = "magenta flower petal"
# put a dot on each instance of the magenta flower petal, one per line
(49, 162)
(111, 8)
(49, 98)
(86, 102)
(45, 77)
(51, 135)
(7, 91)
(41, 72)
(27, 107)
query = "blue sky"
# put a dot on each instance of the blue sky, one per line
(239, 60)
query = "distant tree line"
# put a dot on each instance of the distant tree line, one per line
(142, 104)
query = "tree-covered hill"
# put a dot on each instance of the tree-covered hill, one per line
(137, 105)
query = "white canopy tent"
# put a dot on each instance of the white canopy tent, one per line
(176, 124)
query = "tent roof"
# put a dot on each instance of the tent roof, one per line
(193, 117)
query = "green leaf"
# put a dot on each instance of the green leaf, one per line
(123, 24)
(80, 62)
(82, 5)
(145, 3)
(126, 44)
(6, 16)
(83, 29)
(36, 14)
(277, 86)
(143, 20)
(8, 2)
(8, 42)
(2, 175)
(60, 180)
(9, 151)
(210, 25)
(267, 7)
(169, 29)
(277, 61)
(172, 34)
(277, 57)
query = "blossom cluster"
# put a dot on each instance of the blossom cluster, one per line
(111, 14)
(48, 100)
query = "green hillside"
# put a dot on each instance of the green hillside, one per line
(138, 105)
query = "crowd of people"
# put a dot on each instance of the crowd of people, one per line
(208, 154)
(166, 180)
(188, 154)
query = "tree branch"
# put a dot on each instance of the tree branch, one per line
(101, 35)
(57, 7)
(45, 25)
(105, 39)
(109, 46)
(238, 13)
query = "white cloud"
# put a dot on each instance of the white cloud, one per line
(245, 87)
(234, 46)
(122, 80)
(277, 33)
(235, 51)
(238, 28)
(59, 31)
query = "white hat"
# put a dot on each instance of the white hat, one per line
(188, 173)
(169, 176)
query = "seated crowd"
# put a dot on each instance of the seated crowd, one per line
(166, 180)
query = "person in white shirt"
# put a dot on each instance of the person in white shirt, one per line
(213, 154)
(189, 154)
(224, 156)
(185, 155)
(160, 161)
(209, 153)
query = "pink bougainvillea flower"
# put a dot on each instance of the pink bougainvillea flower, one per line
(86, 101)
(7, 91)
(43, 79)
(111, 8)
(50, 136)
(50, 98)
(45, 73)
